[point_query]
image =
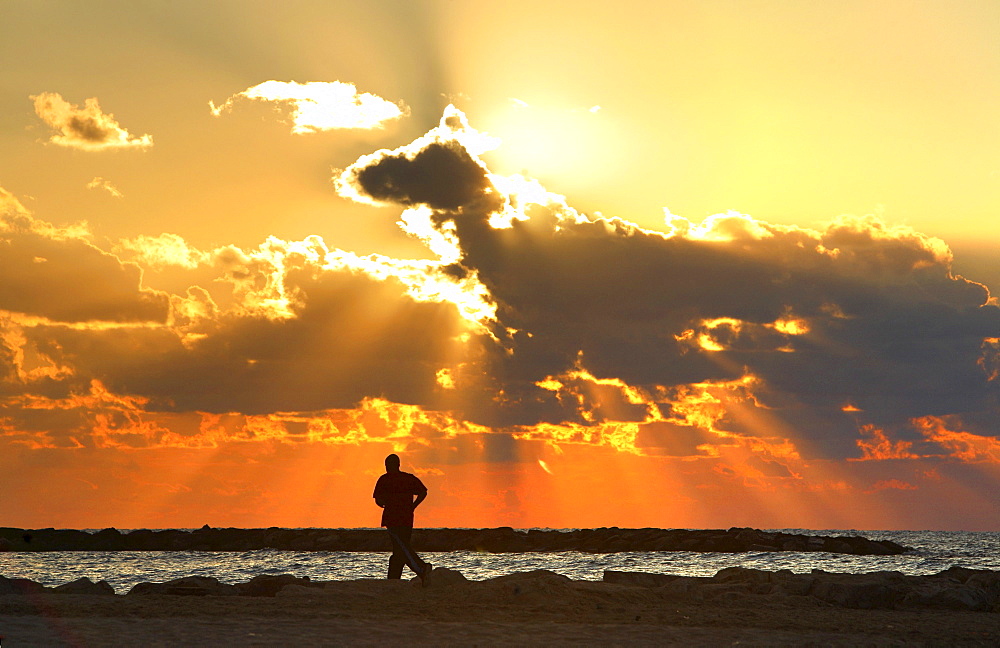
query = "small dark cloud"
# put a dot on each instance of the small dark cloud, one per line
(87, 127)
(441, 175)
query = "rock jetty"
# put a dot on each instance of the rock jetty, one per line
(499, 540)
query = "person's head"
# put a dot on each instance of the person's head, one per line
(392, 463)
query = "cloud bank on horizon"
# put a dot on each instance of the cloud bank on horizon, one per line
(756, 346)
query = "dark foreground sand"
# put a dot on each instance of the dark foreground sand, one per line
(538, 608)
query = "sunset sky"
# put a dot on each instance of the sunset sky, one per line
(672, 263)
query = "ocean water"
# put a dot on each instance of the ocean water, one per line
(933, 551)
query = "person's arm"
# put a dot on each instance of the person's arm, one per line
(420, 498)
(379, 495)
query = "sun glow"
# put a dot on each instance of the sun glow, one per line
(555, 142)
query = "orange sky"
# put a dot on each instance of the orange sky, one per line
(664, 264)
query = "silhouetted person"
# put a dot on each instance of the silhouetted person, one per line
(394, 492)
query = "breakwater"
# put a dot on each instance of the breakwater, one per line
(498, 540)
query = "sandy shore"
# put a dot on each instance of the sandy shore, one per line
(521, 609)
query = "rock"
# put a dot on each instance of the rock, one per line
(301, 543)
(687, 585)
(862, 596)
(85, 586)
(6, 545)
(988, 581)
(760, 548)
(795, 584)
(442, 577)
(20, 586)
(534, 586)
(639, 579)
(187, 586)
(950, 596)
(299, 590)
(954, 589)
(109, 539)
(270, 585)
(741, 575)
(962, 598)
(328, 542)
(838, 546)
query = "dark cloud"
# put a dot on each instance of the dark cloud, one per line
(473, 448)
(672, 440)
(87, 128)
(59, 275)
(441, 175)
(857, 314)
(349, 336)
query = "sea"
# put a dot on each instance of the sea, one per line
(932, 552)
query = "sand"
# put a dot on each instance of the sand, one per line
(514, 610)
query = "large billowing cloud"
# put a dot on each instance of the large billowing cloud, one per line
(320, 105)
(857, 320)
(87, 128)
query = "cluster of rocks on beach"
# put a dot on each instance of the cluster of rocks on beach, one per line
(499, 540)
(953, 589)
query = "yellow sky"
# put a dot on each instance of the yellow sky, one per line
(790, 112)
(189, 300)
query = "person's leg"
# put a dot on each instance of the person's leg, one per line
(397, 559)
(401, 544)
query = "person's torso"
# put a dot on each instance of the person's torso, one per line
(396, 490)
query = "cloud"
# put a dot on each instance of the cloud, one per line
(86, 128)
(101, 183)
(158, 252)
(893, 484)
(858, 313)
(305, 329)
(439, 170)
(56, 273)
(321, 105)
(9, 204)
(753, 345)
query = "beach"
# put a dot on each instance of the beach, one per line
(532, 608)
